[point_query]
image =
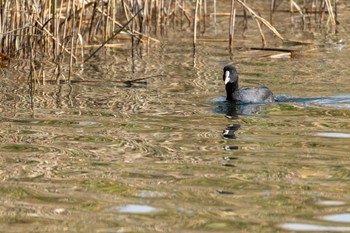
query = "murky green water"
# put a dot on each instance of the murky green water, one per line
(161, 155)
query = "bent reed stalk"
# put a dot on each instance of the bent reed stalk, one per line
(37, 30)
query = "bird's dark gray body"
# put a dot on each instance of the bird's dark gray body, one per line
(254, 94)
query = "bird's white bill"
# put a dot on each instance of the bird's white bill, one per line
(227, 77)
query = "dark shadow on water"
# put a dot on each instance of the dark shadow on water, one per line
(233, 110)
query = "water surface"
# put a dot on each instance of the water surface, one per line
(168, 153)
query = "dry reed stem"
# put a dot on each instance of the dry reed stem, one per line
(294, 4)
(186, 14)
(331, 14)
(245, 20)
(214, 14)
(261, 33)
(232, 24)
(279, 55)
(203, 15)
(195, 25)
(115, 45)
(55, 39)
(72, 41)
(113, 36)
(273, 5)
(128, 31)
(264, 21)
(58, 27)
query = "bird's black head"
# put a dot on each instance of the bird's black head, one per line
(231, 81)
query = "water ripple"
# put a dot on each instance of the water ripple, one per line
(338, 101)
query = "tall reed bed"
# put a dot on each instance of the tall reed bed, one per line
(61, 29)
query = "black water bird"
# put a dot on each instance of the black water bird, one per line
(245, 94)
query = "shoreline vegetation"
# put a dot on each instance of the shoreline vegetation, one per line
(61, 30)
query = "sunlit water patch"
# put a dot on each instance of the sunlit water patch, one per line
(134, 209)
(341, 218)
(313, 227)
(333, 135)
(331, 203)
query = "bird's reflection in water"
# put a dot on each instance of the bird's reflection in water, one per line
(231, 148)
(229, 132)
(233, 111)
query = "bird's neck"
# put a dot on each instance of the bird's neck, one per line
(232, 91)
